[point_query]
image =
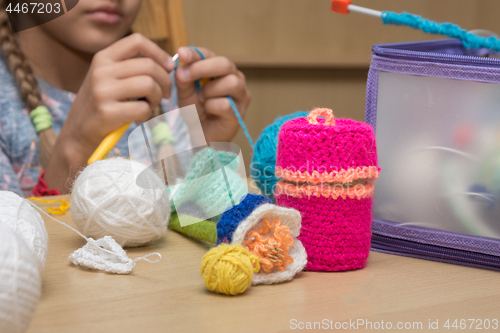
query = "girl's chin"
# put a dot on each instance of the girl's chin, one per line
(96, 41)
(85, 34)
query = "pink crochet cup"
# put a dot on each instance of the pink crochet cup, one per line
(327, 168)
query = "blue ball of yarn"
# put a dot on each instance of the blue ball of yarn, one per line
(232, 217)
(264, 158)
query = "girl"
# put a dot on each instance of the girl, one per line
(90, 78)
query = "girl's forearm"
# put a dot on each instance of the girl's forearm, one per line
(66, 160)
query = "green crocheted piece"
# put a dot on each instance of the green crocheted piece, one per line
(205, 230)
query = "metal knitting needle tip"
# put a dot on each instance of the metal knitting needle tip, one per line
(175, 58)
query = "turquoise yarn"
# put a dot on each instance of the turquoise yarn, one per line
(448, 29)
(205, 186)
(264, 158)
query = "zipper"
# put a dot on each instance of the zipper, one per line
(434, 52)
(433, 252)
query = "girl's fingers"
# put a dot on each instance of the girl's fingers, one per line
(212, 67)
(130, 111)
(230, 85)
(139, 87)
(143, 67)
(188, 55)
(185, 89)
(224, 121)
(133, 46)
(220, 107)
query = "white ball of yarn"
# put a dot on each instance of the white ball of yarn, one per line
(18, 214)
(20, 282)
(106, 201)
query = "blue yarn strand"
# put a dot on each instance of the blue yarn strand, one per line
(197, 82)
(197, 51)
(240, 120)
(447, 29)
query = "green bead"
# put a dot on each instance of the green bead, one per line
(162, 135)
(41, 118)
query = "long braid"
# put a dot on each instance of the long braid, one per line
(27, 84)
(25, 80)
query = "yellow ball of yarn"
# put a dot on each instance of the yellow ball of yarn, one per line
(228, 269)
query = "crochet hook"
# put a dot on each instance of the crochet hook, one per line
(469, 40)
(107, 144)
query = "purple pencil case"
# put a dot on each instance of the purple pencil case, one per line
(435, 108)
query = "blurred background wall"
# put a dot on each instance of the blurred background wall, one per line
(297, 54)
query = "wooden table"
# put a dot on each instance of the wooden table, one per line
(169, 296)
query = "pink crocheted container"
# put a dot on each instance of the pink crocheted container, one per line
(327, 168)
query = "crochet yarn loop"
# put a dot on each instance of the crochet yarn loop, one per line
(312, 118)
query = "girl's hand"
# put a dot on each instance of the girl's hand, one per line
(108, 96)
(217, 117)
(107, 100)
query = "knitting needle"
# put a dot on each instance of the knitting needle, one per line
(175, 58)
(469, 39)
(345, 6)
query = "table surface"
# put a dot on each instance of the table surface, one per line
(169, 296)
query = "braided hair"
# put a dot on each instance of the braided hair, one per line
(27, 84)
(25, 81)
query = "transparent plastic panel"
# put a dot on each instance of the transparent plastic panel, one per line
(438, 143)
(203, 181)
(215, 181)
(154, 153)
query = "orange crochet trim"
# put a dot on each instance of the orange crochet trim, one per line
(359, 191)
(271, 246)
(312, 118)
(342, 176)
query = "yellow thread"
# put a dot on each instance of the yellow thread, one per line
(228, 269)
(61, 210)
